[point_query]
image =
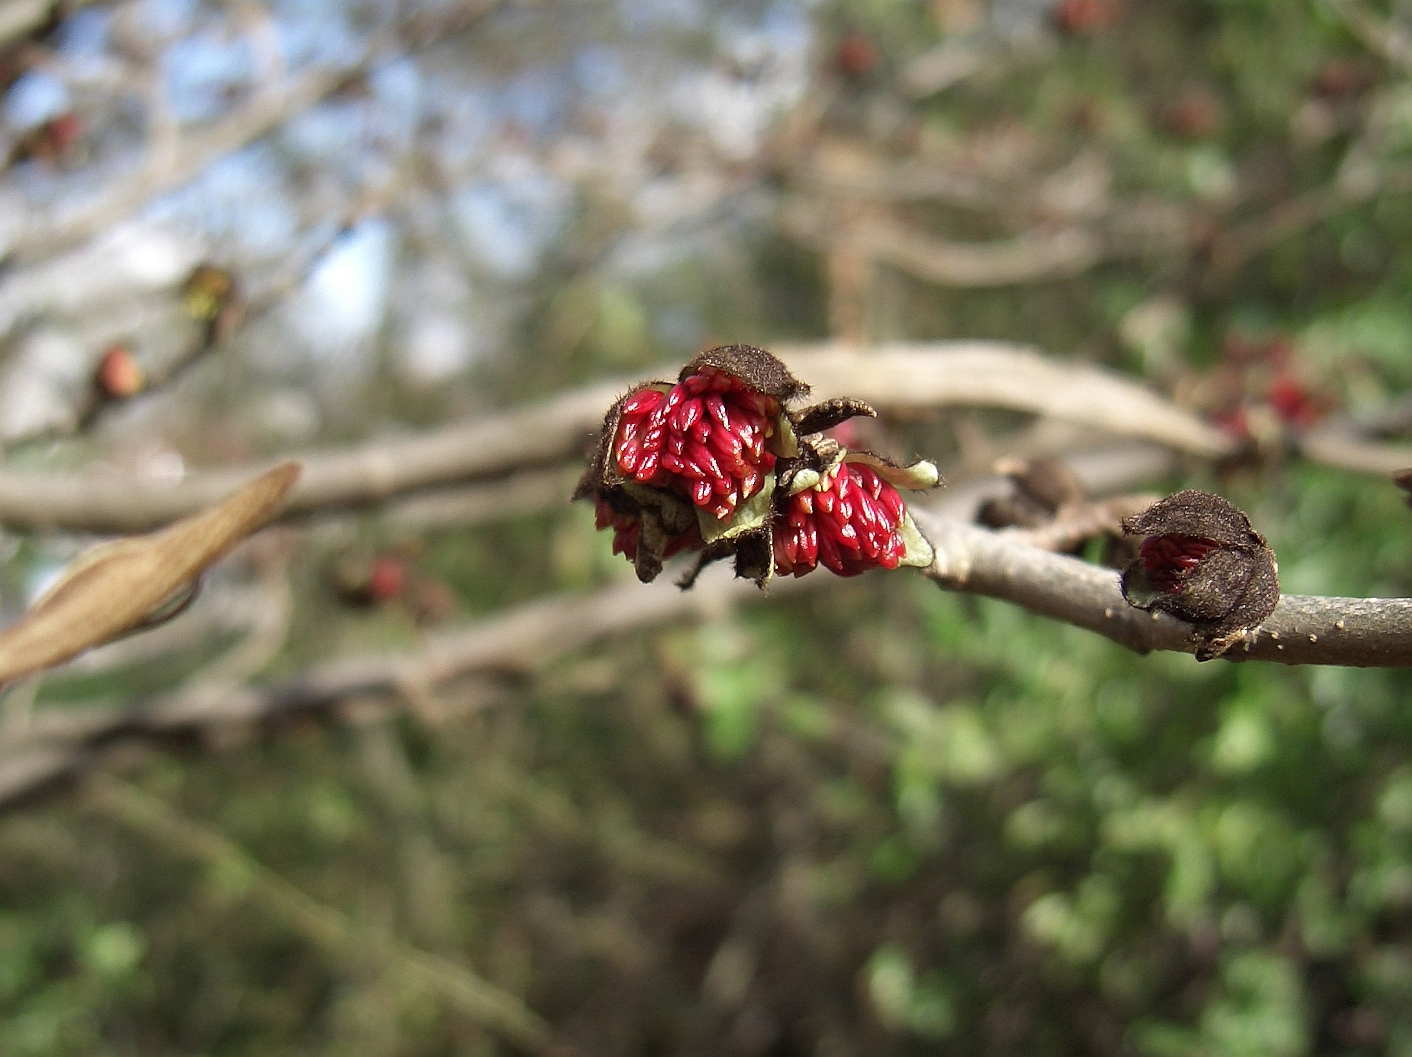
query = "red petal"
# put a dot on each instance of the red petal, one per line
(629, 455)
(643, 401)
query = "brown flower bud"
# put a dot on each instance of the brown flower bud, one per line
(206, 291)
(1203, 562)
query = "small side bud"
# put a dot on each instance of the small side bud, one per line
(206, 292)
(119, 375)
(1202, 561)
(1044, 481)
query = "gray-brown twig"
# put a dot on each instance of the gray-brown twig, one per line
(1003, 565)
(1360, 632)
(891, 377)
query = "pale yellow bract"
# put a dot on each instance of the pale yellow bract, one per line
(115, 587)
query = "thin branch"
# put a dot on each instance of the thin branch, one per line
(528, 492)
(59, 743)
(19, 18)
(1358, 632)
(1303, 630)
(28, 232)
(913, 376)
(1344, 451)
(1032, 257)
(894, 377)
(1382, 37)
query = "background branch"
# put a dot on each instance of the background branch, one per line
(30, 233)
(998, 564)
(892, 377)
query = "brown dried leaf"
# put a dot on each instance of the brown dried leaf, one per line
(115, 587)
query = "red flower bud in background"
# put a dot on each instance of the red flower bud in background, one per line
(856, 56)
(364, 579)
(1079, 17)
(387, 578)
(119, 375)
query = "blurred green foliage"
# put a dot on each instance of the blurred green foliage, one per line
(878, 819)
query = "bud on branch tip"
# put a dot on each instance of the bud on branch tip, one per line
(1202, 561)
(717, 463)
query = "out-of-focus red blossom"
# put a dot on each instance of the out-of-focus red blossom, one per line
(627, 530)
(1234, 422)
(1294, 402)
(1342, 78)
(1079, 17)
(64, 130)
(386, 578)
(705, 438)
(53, 141)
(119, 374)
(856, 55)
(1168, 559)
(1266, 390)
(849, 521)
(1195, 114)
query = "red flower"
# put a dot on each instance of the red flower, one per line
(849, 521)
(704, 438)
(628, 530)
(1168, 559)
(856, 55)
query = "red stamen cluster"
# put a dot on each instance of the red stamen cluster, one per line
(849, 521)
(1168, 558)
(628, 530)
(705, 438)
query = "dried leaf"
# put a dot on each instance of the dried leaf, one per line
(115, 588)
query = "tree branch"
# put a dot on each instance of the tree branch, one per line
(895, 377)
(1302, 630)
(1358, 632)
(27, 232)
